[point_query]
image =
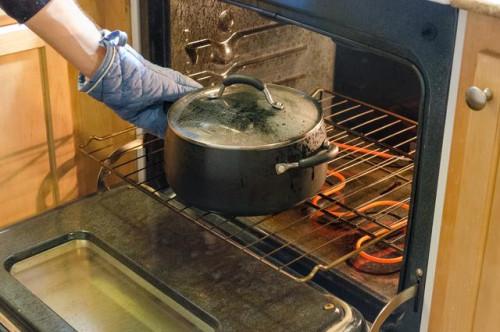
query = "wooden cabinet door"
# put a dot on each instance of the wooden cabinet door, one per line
(36, 128)
(43, 117)
(466, 289)
(486, 315)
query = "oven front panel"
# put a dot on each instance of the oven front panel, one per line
(421, 43)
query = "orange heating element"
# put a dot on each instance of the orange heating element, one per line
(384, 203)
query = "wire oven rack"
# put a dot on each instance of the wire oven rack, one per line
(360, 214)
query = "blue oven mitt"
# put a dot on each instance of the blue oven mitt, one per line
(133, 87)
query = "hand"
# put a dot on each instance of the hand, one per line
(133, 87)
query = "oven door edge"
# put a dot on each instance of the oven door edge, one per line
(443, 172)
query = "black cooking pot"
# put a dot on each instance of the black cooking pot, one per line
(233, 149)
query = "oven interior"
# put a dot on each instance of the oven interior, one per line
(350, 238)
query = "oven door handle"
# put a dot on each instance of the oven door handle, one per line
(401, 298)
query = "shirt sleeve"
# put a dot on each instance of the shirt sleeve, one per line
(22, 10)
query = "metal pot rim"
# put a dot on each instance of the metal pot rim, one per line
(260, 147)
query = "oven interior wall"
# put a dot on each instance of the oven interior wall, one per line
(281, 54)
(377, 80)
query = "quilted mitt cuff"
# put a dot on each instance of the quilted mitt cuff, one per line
(109, 41)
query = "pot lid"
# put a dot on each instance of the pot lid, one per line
(244, 113)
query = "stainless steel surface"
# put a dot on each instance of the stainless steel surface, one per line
(392, 305)
(476, 98)
(92, 291)
(276, 104)
(226, 21)
(281, 55)
(262, 87)
(312, 230)
(113, 157)
(222, 52)
(208, 75)
(196, 118)
(346, 317)
(284, 167)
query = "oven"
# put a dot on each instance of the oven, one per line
(381, 72)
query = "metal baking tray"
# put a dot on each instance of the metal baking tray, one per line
(93, 291)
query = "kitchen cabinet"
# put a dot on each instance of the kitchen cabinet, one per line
(466, 288)
(36, 128)
(43, 119)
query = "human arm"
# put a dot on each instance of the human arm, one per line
(62, 25)
(112, 72)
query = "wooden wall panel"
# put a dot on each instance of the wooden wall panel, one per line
(36, 128)
(23, 142)
(62, 125)
(486, 316)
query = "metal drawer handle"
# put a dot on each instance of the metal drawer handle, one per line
(476, 98)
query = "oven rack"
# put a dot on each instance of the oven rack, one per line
(363, 206)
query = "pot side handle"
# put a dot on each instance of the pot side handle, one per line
(326, 154)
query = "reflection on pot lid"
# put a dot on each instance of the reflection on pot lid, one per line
(243, 117)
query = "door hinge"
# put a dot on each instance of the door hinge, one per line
(412, 292)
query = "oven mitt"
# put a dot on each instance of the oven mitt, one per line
(133, 87)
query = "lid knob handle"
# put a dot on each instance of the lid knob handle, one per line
(252, 81)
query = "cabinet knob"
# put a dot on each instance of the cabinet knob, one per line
(476, 98)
